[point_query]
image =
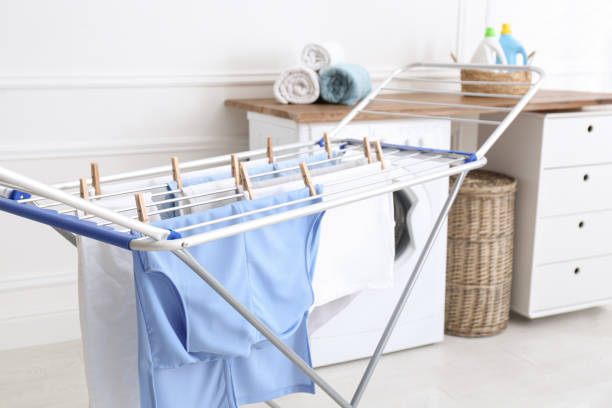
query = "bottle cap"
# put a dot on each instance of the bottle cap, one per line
(506, 28)
(490, 32)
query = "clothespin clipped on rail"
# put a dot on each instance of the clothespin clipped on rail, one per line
(246, 181)
(367, 151)
(307, 180)
(328, 148)
(95, 178)
(141, 208)
(84, 189)
(270, 150)
(176, 172)
(236, 170)
(379, 154)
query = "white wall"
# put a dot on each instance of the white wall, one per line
(130, 83)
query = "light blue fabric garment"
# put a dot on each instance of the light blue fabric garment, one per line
(345, 84)
(252, 381)
(208, 382)
(184, 326)
(172, 185)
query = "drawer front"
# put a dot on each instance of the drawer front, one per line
(573, 141)
(571, 283)
(573, 236)
(576, 189)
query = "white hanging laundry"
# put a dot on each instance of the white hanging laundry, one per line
(107, 313)
(357, 241)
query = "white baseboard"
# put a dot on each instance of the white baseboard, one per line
(39, 329)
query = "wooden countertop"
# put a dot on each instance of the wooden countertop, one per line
(544, 100)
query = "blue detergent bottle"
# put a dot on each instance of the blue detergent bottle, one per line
(510, 46)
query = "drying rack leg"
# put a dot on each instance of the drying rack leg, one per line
(188, 259)
(401, 303)
(70, 237)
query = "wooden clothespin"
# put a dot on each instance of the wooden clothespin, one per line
(84, 189)
(379, 154)
(236, 170)
(176, 172)
(141, 208)
(367, 151)
(246, 181)
(307, 179)
(330, 155)
(95, 178)
(270, 150)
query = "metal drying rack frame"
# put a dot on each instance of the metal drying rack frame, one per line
(19, 190)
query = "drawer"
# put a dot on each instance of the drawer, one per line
(580, 140)
(571, 283)
(576, 189)
(573, 236)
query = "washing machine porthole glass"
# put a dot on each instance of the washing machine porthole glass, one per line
(401, 207)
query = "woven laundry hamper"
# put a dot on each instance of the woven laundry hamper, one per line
(479, 255)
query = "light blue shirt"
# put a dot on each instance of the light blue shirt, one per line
(188, 335)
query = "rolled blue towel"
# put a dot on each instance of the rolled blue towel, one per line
(344, 83)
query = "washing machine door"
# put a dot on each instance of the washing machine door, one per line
(412, 211)
(402, 203)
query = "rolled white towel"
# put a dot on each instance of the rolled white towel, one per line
(297, 85)
(321, 56)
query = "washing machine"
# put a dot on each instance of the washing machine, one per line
(354, 332)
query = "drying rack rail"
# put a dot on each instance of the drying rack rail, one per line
(62, 207)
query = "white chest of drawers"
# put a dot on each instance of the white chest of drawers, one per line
(563, 243)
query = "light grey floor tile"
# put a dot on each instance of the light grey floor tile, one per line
(559, 362)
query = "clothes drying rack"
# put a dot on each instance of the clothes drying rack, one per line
(62, 206)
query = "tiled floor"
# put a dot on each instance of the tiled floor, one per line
(561, 361)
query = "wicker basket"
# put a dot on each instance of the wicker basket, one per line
(494, 76)
(479, 255)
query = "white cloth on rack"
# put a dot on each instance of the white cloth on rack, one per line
(208, 189)
(357, 247)
(107, 313)
(320, 56)
(299, 85)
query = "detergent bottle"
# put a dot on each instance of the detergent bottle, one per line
(510, 46)
(489, 49)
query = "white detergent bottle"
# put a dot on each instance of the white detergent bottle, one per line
(488, 49)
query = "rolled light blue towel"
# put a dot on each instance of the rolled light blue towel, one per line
(345, 84)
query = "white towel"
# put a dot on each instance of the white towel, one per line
(297, 85)
(320, 56)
